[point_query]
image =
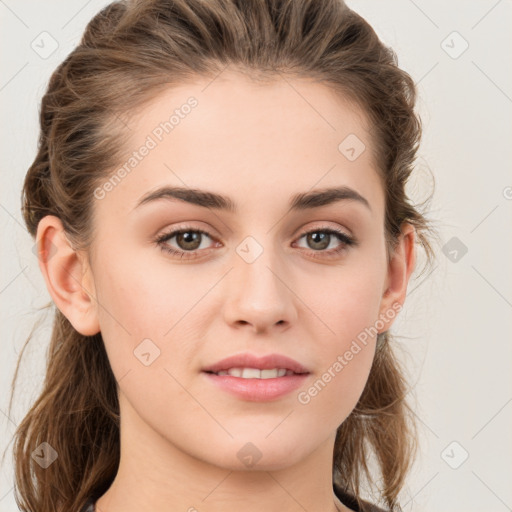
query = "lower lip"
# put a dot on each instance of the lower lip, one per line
(258, 390)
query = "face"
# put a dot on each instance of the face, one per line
(181, 286)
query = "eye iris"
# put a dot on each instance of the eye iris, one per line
(188, 240)
(320, 238)
(191, 240)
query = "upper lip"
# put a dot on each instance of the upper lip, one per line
(266, 362)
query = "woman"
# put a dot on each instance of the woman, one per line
(220, 211)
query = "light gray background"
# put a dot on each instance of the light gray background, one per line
(455, 328)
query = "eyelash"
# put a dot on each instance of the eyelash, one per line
(346, 240)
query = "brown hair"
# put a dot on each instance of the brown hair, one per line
(129, 52)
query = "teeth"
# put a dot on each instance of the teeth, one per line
(272, 374)
(250, 373)
(255, 373)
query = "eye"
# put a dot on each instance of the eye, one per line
(190, 241)
(320, 239)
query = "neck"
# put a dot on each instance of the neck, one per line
(154, 474)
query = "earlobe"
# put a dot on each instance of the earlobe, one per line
(67, 275)
(400, 268)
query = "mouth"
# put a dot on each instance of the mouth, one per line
(253, 388)
(256, 373)
(250, 366)
(257, 379)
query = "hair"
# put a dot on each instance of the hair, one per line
(129, 52)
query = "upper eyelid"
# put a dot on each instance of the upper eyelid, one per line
(302, 232)
(208, 230)
(175, 230)
(171, 233)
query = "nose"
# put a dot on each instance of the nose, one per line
(259, 295)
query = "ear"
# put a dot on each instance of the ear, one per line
(68, 276)
(400, 268)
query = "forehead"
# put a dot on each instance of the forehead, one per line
(253, 141)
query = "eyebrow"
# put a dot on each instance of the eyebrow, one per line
(298, 202)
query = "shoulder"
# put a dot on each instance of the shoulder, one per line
(347, 499)
(350, 501)
(89, 506)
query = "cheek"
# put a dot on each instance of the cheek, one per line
(345, 340)
(146, 301)
(137, 304)
(348, 303)
(146, 297)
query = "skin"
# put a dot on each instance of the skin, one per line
(259, 144)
